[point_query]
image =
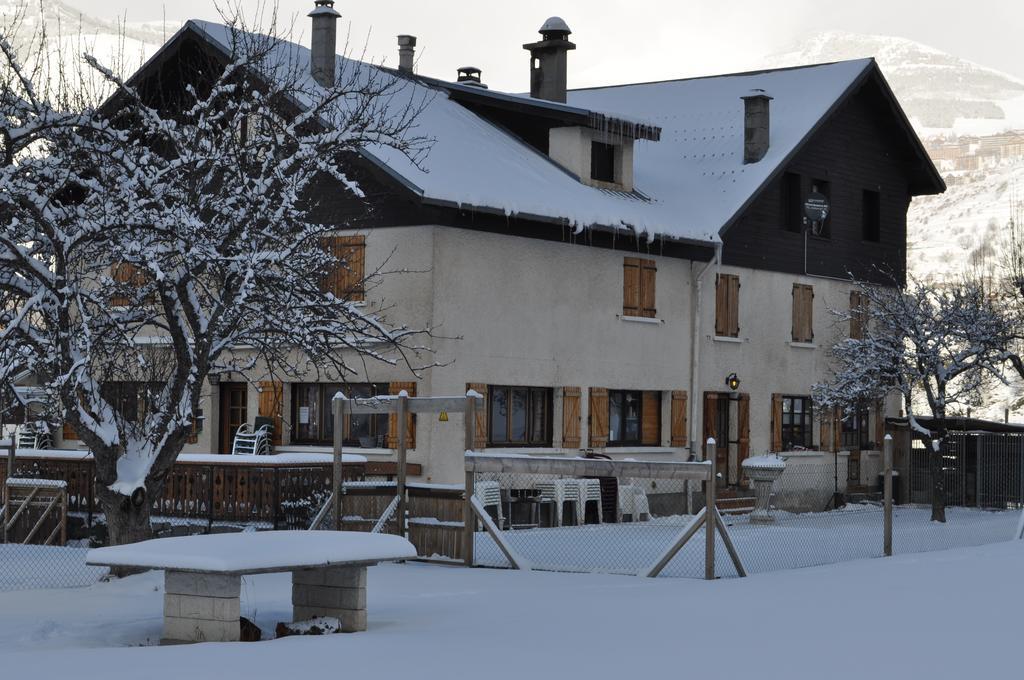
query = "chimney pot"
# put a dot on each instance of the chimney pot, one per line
(324, 43)
(470, 75)
(756, 125)
(549, 61)
(406, 53)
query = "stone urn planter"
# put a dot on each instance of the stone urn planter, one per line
(762, 472)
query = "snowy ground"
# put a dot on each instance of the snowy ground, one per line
(879, 618)
(794, 541)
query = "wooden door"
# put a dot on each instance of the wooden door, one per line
(233, 412)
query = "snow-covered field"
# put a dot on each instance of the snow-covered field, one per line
(939, 615)
(794, 541)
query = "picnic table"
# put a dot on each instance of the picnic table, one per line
(203, 575)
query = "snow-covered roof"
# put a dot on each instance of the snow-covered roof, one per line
(689, 185)
(698, 165)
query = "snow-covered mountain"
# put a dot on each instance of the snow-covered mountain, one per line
(941, 93)
(121, 46)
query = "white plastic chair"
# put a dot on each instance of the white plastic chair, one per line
(590, 492)
(641, 508)
(627, 502)
(251, 443)
(489, 494)
(560, 492)
(30, 437)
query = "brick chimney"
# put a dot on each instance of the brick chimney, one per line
(324, 45)
(406, 53)
(756, 126)
(549, 61)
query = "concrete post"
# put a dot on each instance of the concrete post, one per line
(887, 470)
(338, 480)
(710, 455)
(403, 410)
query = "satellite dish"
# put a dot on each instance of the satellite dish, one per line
(816, 209)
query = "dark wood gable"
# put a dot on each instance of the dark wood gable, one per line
(862, 147)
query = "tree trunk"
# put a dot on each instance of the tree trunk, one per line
(938, 473)
(127, 522)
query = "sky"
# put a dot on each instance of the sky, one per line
(623, 41)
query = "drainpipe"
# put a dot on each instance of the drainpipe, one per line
(697, 288)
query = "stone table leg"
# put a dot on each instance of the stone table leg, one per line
(201, 607)
(338, 592)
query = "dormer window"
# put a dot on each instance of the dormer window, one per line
(602, 162)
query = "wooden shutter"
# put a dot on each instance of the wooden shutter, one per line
(776, 422)
(598, 419)
(803, 317)
(480, 428)
(631, 286)
(193, 433)
(346, 280)
(410, 419)
(650, 418)
(68, 432)
(571, 417)
(271, 404)
(857, 315)
(710, 419)
(679, 418)
(743, 421)
(648, 277)
(727, 306)
(127, 274)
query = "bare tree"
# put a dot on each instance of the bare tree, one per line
(171, 233)
(934, 345)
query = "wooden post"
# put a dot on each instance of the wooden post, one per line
(6, 495)
(887, 470)
(710, 455)
(469, 520)
(337, 479)
(403, 411)
(470, 422)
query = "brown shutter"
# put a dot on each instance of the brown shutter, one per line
(571, 417)
(727, 306)
(710, 419)
(803, 306)
(480, 429)
(857, 316)
(776, 422)
(410, 419)
(879, 424)
(68, 432)
(648, 276)
(631, 286)
(271, 403)
(346, 280)
(827, 429)
(598, 417)
(193, 433)
(679, 416)
(743, 418)
(126, 273)
(650, 418)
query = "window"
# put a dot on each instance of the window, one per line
(871, 216)
(803, 313)
(792, 203)
(797, 419)
(727, 306)
(130, 399)
(602, 162)
(519, 416)
(313, 421)
(638, 287)
(825, 189)
(634, 417)
(346, 279)
(855, 431)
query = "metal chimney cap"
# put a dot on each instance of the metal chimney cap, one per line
(555, 25)
(324, 8)
(405, 40)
